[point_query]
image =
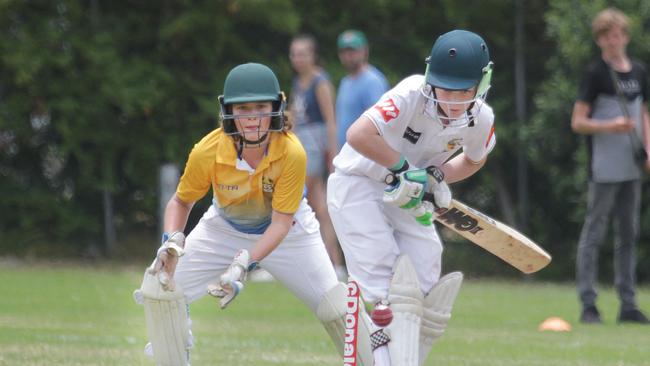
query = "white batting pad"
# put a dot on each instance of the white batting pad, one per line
(332, 311)
(437, 311)
(406, 298)
(167, 321)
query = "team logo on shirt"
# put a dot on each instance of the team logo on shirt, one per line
(453, 143)
(267, 185)
(411, 135)
(387, 109)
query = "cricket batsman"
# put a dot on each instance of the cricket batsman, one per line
(427, 132)
(256, 168)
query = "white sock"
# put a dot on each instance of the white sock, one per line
(382, 358)
(148, 350)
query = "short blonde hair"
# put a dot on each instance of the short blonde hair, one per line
(607, 19)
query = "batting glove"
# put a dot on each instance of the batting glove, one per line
(406, 189)
(438, 187)
(424, 213)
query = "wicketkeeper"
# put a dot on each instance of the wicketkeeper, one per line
(256, 169)
(428, 131)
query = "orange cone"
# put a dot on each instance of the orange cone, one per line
(555, 324)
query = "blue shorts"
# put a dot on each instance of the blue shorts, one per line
(313, 137)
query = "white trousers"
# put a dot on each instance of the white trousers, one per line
(300, 262)
(373, 234)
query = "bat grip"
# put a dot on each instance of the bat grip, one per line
(429, 197)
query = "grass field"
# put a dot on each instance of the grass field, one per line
(78, 315)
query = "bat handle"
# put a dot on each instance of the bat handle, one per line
(429, 197)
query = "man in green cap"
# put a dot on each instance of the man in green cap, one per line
(361, 87)
(428, 131)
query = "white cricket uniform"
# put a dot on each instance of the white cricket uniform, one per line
(374, 234)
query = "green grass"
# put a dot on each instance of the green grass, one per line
(78, 315)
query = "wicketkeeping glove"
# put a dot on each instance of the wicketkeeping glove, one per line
(406, 189)
(231, 282)
(167, 256)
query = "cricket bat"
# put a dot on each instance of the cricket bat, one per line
(496, 237)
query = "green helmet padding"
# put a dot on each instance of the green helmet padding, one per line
(458, 61)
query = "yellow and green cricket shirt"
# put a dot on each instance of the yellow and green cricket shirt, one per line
(245, 197)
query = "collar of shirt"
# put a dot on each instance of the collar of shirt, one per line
(227, 153)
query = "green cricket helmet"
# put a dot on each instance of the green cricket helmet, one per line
(252, 82)
(459, 60)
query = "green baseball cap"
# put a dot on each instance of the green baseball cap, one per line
(352, 38)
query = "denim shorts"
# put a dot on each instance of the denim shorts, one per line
(313, 137)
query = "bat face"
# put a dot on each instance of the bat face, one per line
(497, 238)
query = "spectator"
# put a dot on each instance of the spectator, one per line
(363, 85)
(312, 107)
(601, 113)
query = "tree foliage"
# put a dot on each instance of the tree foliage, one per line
(95, 96)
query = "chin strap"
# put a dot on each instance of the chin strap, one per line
(256, 142)
(241, 142)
